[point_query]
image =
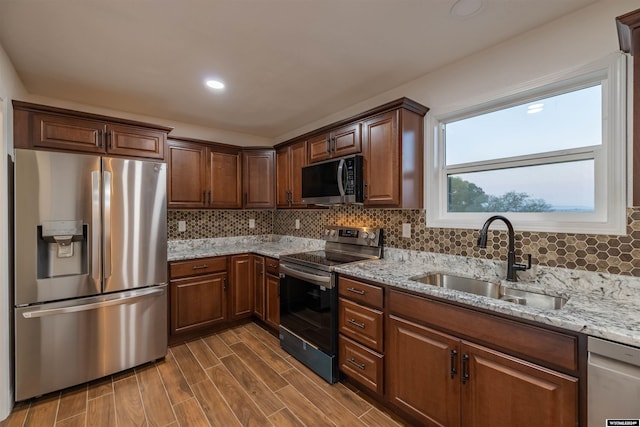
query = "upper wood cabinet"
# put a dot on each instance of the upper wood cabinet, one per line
(338, 142)
(203, 175)
(258, 179)
(392, 146)
(50, 128)
(391, 140)
(289, 162)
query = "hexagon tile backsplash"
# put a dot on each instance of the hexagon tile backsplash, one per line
(603, 253)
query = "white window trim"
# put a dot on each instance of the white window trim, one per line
(610, 181)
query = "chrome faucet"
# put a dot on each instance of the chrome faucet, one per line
(512, 266)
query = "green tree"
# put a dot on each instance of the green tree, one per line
(516, 202)
(465, 196)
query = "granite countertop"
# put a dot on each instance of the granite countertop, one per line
(600, 305)
(267, 245)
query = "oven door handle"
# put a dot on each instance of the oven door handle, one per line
(310, 277)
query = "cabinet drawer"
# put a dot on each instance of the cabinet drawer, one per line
(361, 364)
(194, 267)
(361, 292)
(272, 266)
(360, 323)
(526, 341)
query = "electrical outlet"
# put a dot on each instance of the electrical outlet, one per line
(182, 226)
(297, 224)
(406, 230)
(252, 223)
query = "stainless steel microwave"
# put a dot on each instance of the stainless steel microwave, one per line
(334, 181)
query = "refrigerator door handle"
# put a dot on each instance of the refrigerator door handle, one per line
(107, 223)
(95, 228)
(113, 300)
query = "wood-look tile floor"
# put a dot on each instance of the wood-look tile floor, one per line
(237, 377)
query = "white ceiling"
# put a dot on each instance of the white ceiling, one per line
(285, 62)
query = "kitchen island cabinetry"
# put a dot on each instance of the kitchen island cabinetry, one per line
(289, 162)
(51, 128)
(258, 180)
(203, 175)
(198, 294)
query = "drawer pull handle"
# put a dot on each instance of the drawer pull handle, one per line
(356, 364)
(356, 291)
(359, 325)
(465, 368)
(199, 267)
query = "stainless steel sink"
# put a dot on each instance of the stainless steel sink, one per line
(492, 290)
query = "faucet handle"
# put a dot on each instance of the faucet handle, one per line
(522, 267)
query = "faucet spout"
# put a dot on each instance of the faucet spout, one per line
(512, 266)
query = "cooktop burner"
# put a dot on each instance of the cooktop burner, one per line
(344, 245)
(329, 259)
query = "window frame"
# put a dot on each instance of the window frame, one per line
(610, 167)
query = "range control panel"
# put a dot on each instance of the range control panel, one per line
(364, 236)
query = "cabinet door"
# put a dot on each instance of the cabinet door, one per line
(68, 133)
(346, 140)
(258, 286)
(259, 179)
(241, 291)
(225, 177)
(422, 374)
(186, 177)
(132, 141)
(198, 302)
(381, 161)
(297, 160)
(289, 163)
(319, 148)
(283, 169)
(504, 390)
(272, 306)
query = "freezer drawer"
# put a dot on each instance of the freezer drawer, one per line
(67, 343)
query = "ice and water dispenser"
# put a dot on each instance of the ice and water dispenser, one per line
(62, 249)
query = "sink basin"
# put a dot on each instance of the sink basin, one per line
(492, 290)
(464, 284)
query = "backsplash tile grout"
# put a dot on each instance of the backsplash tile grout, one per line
(588, 252)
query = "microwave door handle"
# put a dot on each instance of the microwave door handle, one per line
(340, 178)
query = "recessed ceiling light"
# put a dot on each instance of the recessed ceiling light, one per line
(466, 8)
(215, 84)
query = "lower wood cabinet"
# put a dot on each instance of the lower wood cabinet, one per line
(442, 380)
(241, 305)
(198, 291)
(272, 301)
(258, 286)
(266, 283)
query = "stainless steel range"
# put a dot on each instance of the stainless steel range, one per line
(309, 295)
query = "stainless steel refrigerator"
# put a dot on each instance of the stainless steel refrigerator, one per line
(90, 268)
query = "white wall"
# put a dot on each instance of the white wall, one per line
(559, 46)
(10, 87)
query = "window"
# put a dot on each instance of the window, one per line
(550, 158)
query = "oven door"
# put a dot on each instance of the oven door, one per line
(309, 306)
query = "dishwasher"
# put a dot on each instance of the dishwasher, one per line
(613, 372)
